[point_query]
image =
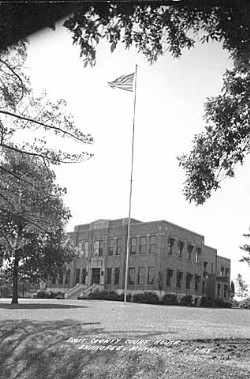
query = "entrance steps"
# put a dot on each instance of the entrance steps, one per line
(81, 291)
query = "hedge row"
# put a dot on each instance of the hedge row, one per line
(41, 294)
(153, 298)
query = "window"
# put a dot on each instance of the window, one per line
(53, 281)
(101, 248)
(117, 275)
(170, 246)
(169, 277)
(205, 269)
(67, 277)
(197, 282)
(222, 271)
(212, 268)
(225, 290)
(188, 280)
(110, 247)
(197, 254)
(189, 252)
(218, 289)
(84, 275)
(132, 245)
(203, 287)
(143, 245)
(180, 248)
(86, 249)
(141, 275)
(151, 275)
(118, 246)
(179, 279)
(152, 244)
(77, 275)
(131, 275)
(227, 272)
(108, 275)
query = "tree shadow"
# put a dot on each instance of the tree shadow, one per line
(39, 306)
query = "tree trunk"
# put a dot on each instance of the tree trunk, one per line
(15, 280)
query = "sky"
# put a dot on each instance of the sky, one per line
(170, 100)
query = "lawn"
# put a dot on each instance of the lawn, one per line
(99, 339)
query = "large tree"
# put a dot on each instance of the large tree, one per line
(32, 124)
(156, 27)
(33, 243)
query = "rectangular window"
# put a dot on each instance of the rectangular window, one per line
(101, 248)
(205, 269)
(53, 281)
(152, 244)
(84, 275)
(218, 289)
(110, 247)
(143, 245)
(180, 248)
(203, 287)
(108, 275)
(141, 275)
(77, 276)
(197, 282)
(131, 275)
(171, 246)
(227, 272)
(225, 290)
(197, 254)
(86, 249)
(118, 246)
(222, 271)
(169, 277)
(212, 268)
(179, 279)
(151, 275)
(132, 245)
(189, 252)
(188, 280)
(117, 275)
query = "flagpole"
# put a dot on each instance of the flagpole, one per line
(130, 194)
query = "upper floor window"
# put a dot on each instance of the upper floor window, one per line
(101, 248)
(132, 245)
(227, 272)
(222, 271)
(197, 254)
(197, 282)
(171, 246)
(180, 248)
(152, 244)
(189, 252)
(118, 246)
(110, 247)
(143, 245)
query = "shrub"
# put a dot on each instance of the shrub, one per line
(169, 299)
(186, 300)
(42, 294)
(106, 295)
(146, 297)
(207, 302)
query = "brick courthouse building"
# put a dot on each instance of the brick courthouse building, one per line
(164, 258)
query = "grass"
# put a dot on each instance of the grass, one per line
(35, 341)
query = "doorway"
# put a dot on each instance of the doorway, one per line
(96, 272)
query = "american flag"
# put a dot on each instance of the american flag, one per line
(123, 82)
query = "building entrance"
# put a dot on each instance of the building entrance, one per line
(96, 273)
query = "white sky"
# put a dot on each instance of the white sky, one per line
(170, 98)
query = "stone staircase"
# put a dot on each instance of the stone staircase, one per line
(80, 290)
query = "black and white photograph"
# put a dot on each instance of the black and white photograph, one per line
(124, 189)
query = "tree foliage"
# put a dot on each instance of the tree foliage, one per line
(242, 288)
(33, 244)
(246, 249)
(155, 28)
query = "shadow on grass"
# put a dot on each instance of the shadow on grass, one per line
(39, 306)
